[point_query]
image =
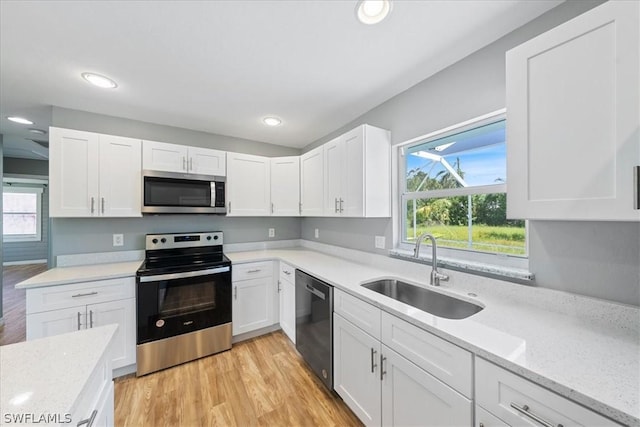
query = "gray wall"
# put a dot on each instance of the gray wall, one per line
(26, 166)
(595, 259)
(87, 235)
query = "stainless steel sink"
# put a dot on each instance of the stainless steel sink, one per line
(423, 299)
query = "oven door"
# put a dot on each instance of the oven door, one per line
(178, 303)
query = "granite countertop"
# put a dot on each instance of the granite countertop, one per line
(582, 348)
(82, 273)
(47, 375)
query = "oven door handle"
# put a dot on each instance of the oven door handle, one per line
(183, 275)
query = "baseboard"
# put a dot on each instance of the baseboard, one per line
(258, 332)
(29, 261)
(125, 370)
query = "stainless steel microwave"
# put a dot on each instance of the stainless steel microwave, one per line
(173, 193)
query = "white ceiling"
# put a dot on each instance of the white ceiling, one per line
(221, 66)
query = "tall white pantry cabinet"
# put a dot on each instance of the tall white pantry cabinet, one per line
(573, 119)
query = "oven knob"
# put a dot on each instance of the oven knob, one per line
(215, 237)
(208, 237)
(163, 240)
(154, 241)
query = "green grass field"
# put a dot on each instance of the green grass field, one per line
(506, 240)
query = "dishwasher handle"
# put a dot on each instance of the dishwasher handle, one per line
(314, 291)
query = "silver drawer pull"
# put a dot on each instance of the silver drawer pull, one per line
(89, 421)
(288, 273)
(524, 410)
(79, 324)
(373, 363)
(88, 294)
(382, 371)
(91, 318)
(254, 271)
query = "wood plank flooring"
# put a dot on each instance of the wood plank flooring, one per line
(14, 301)
(259, 382)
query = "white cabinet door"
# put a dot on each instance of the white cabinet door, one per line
(353, 188)
(312, 182)
(73, 173)
(288, 308)
(160, 156)
(334, 176)
(410, 396)
(573, 112)
(105, 408)
(56, 322)
(205, 161)
(120, 176)
(248, 185)
(356, 370)
(122, 313)
(252, 304)
(285, 186)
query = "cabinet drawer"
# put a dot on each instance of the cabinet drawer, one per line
(362, 314)
(287, 272)
(253, 270)
(75, 294)
(445, 361)
(487, 419)
(500, 391)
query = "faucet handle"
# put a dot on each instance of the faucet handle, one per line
(437, 277)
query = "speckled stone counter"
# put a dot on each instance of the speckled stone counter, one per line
(83, 273)
(47, 375)
(585, 349)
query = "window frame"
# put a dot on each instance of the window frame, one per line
(15, 238)
(403, 197)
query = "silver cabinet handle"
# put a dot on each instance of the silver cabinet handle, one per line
(481, 424)
(89, 421)
(335, 205)
(271, 207)
(235, 292)
(636, 187)
(93, 202)
(525, 411)
(279, 283)
(79, 324)
(373, 358)
(300, 208)
(288, 273)
(102, 201)
(382, 371)
(257, 270)
(91, 318)
(341, 202)
(191, 164)
(229, 207)
(184, 163)
(85, 294)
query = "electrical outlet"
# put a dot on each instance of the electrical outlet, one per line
(380, 242)
(317, 234)
(118, 239)
(272, 232)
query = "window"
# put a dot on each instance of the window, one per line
(21, 215)
(453, 185)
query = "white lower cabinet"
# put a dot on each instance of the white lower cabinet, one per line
(95, 406)
(380, 383)
(253, 297)
(287, 291)
(60, 309)
(485, 418)
(520, 402)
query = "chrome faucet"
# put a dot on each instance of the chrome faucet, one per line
(436, 276)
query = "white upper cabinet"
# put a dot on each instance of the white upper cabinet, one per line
(312, 182)
(285, 186)
(161, 156)
(93, 175)
(357, 174)
(573, 119)
(248, 185)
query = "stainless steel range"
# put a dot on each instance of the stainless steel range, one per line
(183, 298)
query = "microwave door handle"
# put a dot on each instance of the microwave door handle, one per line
(213, 194)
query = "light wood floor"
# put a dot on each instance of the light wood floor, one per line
(260, 382)
(14, 302)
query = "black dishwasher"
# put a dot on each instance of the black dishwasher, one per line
(314, 325)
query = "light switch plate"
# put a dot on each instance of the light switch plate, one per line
(317, 234)
(272, 232)
(118, 239)
(380, 242)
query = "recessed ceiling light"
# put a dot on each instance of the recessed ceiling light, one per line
(272, 121)
(38, 131)
(20, 120)
(100, 81)
(373, 11)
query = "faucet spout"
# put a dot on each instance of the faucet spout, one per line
(435, 277)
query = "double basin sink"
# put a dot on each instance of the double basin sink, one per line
(424, 299)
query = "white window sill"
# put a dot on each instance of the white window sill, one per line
(468, 266)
